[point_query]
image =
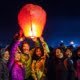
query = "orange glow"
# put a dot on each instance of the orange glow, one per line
(32, 19)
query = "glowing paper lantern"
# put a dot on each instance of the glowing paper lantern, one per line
(32, 19)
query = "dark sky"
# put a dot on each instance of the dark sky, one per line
(63, 19)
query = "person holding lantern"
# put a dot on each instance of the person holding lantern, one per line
(39, 60)
(32, 24)
(26, 62)
(25, 54)
(18, 70)
(26, 51)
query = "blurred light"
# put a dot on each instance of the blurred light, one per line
(62, 41)
(74, 45)
(71, 42)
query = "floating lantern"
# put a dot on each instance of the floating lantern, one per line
(32, 19)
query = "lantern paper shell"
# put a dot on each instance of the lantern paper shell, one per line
(32, 19)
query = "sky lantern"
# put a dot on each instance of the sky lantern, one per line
(32, 19)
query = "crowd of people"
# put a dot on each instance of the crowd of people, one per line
(22, 61)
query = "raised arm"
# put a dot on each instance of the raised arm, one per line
(36, 44)
(14, 49)
(45, 47)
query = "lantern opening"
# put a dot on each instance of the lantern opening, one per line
(32, 35)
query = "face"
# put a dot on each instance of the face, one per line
(6, 55)
(26, 48)
(68, 53)
(17, 57)
(59, 54)
(38, 52)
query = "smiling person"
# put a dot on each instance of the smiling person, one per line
(18, 71)
(26, 54)
(69, 64)
(58, 65)
(4, 72)
(40, 55)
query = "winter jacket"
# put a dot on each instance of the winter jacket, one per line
(17, 72)
(4, 72)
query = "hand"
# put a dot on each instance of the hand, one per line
(34, 39)
(18, 50)
(36, 79)
(19, 35)
(16, 36)
(43, 57)
(21, 39)
(41, 39)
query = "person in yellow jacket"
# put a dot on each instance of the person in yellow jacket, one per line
(39, 59)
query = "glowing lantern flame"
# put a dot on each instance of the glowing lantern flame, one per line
(32, 19)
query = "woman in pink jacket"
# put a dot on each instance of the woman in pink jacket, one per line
(17, 72)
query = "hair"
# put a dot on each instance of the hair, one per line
(68, 49)
(24, 42)
(76, 51)
(3, 52)
(61, 50)
(35, 56)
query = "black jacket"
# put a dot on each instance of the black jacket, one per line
(59, 69)
(4, 72)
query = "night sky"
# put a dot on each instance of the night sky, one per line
(63, 20)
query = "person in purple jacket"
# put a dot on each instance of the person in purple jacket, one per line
(17, 72)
